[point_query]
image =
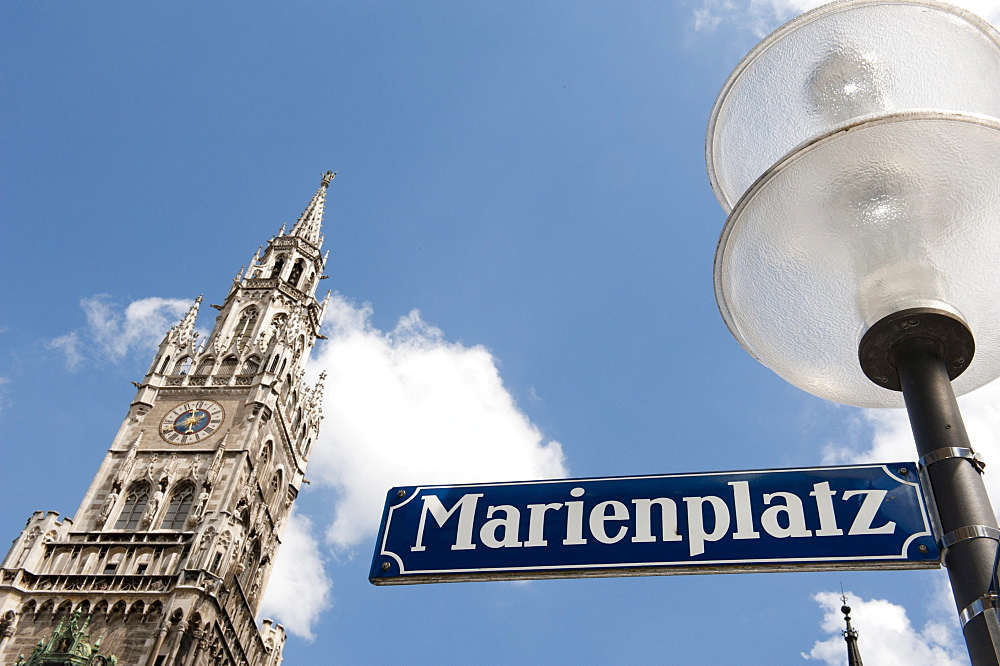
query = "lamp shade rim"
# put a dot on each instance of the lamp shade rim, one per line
(780, 33)
(731, 314)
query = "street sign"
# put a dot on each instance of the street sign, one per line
(813, 519)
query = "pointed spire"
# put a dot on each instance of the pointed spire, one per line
(183, 331)
(322, 308)
(253, 262)
(308, 226)
(850, 634)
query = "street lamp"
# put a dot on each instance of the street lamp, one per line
(857, 150)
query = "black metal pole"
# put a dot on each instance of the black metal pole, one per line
(966, 519)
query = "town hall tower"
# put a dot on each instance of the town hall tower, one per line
(167, 558)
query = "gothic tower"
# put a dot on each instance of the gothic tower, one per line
(172, 546)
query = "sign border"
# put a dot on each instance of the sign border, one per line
(860, 563)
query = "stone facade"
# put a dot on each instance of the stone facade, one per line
(172, 546)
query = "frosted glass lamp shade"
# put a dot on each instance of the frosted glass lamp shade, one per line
(900, 212)
(842, 63)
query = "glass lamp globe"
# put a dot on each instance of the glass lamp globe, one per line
(858, 147)
(838, 64)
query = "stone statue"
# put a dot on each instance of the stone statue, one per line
(199, 509)
(154, 504)
(109, 503)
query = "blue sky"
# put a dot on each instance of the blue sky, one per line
(521, 208)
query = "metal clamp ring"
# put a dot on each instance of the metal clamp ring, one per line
(966, 533)
(952, 452)
(977, 607)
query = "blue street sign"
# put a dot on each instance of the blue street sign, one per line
(815, 519)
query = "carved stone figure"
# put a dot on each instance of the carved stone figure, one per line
(199, 510)
(109, 503)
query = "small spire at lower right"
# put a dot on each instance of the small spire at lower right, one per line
(850, 634)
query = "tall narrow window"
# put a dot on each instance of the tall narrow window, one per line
(274, 363)
(244, 329)
(163, 367)
(252, 560)
(178, 509)
(293, 277)
(279, 264)
(135, 504)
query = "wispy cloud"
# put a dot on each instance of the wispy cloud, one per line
(762, 16)
(299, 589)
(114, 331)
(887, 635)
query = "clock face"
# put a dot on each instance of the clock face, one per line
(192, 422)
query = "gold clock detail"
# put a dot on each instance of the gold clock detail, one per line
(192, 422)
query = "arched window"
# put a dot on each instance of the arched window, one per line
(275, 483)
(135, 504)
(265, 454)
(205, 367)
(244, 329)
(274, 363)
(183, 366)
(279, 264)
(252, 560)
(228, 366)
(293, 277)
(178, 509)
(250, 365)
(164, 365)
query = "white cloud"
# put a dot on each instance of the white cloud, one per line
(891, 439)
(113, 331)
(886, 635)
(409, 407)
(298, 590)
(400, 407)
(762, 16)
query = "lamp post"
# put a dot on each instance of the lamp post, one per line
(857, 152)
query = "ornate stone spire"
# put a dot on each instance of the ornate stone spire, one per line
(183, 331)
(850, 635)
(311, 220)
